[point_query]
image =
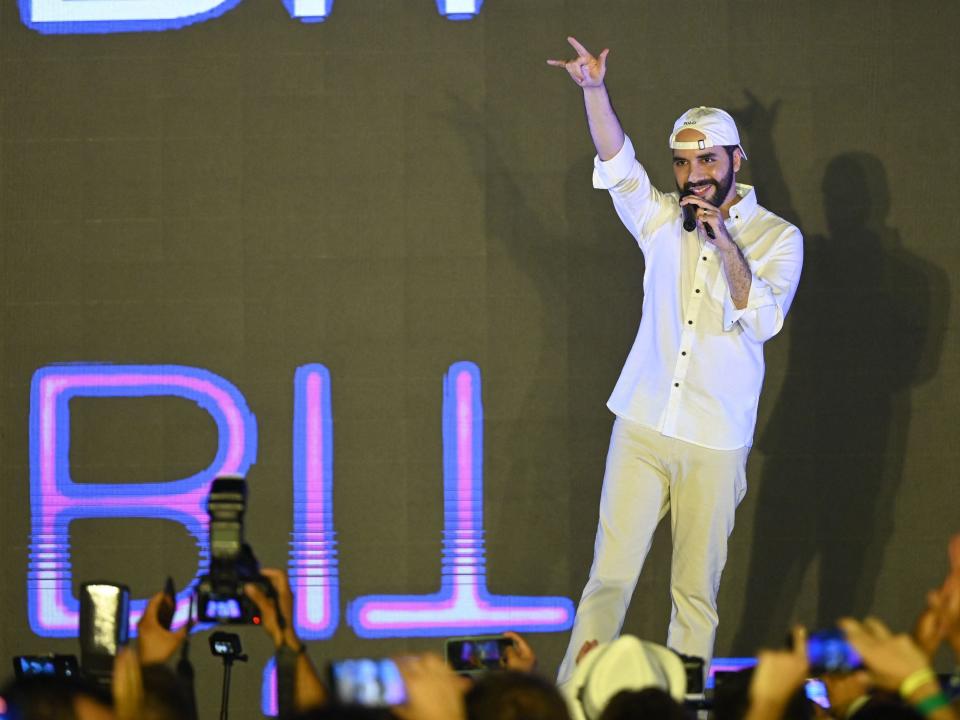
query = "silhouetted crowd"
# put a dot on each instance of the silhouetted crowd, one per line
(893, 677)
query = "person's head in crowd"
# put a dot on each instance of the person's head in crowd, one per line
(626, 663)
(346, 712)
(52, 698)
(510, 695)
(731, 698)
(165, 697)
(885, 708)
(650, 704)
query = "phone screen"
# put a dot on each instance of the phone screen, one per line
(817, 692)
(477, 654)
(64, 666)
(368, 682)
(829, 651)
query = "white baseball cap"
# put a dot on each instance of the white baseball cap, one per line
(717, 126)
(626, 663)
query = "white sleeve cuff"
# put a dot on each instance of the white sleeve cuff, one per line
(607, 173)
(767, 318)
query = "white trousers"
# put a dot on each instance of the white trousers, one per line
(648, 475)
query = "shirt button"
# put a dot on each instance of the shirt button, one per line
(676, 384)
(684, 353)
(697, 291)
(704, 257)
(689, 322)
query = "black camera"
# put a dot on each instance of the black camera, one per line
(693, 667)
(220, 596)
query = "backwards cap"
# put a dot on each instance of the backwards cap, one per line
(717, 126)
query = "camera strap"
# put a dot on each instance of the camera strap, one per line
(286, 659)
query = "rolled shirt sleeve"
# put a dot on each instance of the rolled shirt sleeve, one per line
(607, 173)
(640, 206)
(772, 288)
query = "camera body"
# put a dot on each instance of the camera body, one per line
(220, 595)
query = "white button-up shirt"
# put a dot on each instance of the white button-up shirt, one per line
(696, 367)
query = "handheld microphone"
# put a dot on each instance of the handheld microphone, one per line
(690, 217)
(689, 213)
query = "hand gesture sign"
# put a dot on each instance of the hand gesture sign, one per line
(585, 69)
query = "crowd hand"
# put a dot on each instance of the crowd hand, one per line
(585, 650)
(941, 618)
(950, 598)
(520, 655)
(434, 691)
(585, 69)
(930, 629)
(310, 691)
(844, 688)
(156, 643)
(890, 658)
(273, 608)
(777, 677)
(127, 686)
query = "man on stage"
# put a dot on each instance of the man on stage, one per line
(720, 274)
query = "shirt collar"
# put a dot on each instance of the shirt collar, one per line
(747, 207)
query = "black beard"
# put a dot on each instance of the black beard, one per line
(721, 189)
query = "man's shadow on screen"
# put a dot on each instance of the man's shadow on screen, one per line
(587, 273)
(866, 327)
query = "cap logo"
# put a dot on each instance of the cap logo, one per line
(702, 144)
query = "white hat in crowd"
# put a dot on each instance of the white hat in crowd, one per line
(626, 663)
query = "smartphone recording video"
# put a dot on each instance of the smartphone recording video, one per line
(828, 651)
(367, 682)
(477, 655)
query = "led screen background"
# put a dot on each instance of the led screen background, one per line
(372, 200)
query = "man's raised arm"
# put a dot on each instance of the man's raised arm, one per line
(588, 72)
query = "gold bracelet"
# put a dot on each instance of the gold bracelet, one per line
(916, 680)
